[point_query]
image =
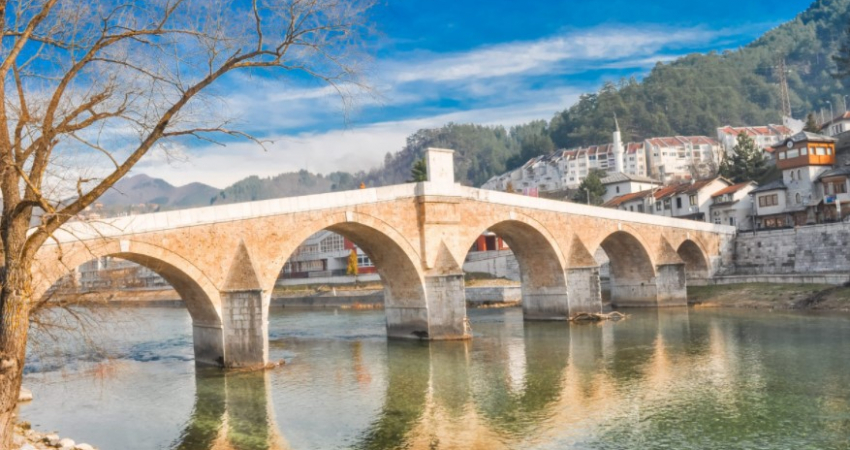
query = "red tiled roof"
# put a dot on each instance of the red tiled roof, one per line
(617, 201)
(731, 189)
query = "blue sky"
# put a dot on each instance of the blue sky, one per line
(495, 62)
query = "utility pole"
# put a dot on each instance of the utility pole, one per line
(784, 96)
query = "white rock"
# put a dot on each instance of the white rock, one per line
(27, 446)
(52, 439)
(63, 443)
(83, 447)
(25, 395)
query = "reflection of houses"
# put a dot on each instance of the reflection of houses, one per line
(798, 198)
(325, 254)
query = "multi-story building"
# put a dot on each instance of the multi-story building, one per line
(797, 198)
(682, 157)
(765, 137)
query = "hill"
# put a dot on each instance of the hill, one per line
(143, 189)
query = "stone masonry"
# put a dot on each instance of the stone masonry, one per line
(224, 260)
(803, 250)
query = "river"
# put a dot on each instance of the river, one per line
(665, 379)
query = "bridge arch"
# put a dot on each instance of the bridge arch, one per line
(201, 297)
(696, 263)
(632, 269)
(395, 260)
(541, 264)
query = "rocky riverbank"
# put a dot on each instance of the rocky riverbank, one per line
(811, 297)
(26, 438)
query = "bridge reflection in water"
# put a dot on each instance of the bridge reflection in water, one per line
(661, 376)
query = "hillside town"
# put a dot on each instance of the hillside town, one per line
(678, 176)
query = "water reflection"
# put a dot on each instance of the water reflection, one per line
(232, 411)
(661, 379)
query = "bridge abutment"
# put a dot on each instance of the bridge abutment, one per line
(584, 290)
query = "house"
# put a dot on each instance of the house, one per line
(682, 157)
(325, 254)
(837, 125)
(618, 184)
(795, 200)
(641, 202)
(733, 205)
(765, 137)
(690, 200)
(835, 187)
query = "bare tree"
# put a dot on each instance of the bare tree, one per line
(88, 88)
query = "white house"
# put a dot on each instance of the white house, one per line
(681, 157)
(765, 137)
(733, 206)
(618, 184)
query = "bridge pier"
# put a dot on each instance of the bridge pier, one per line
(246, 328)
(545, 302)
(672, 286)
(208, 340)
(634, 294)
(584, 290)
(446, 307)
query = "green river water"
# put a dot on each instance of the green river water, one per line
(666, 379)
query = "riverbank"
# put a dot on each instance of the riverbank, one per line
(812, 297)
(26, 438)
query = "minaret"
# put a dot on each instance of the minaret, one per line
(618, 148)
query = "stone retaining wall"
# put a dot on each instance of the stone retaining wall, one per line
(809, 250)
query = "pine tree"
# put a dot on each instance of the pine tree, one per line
(842, 59)
(747, 162)
(419, 171)
(811, 124)
(591, 186)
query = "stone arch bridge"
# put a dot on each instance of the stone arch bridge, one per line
(223, 260)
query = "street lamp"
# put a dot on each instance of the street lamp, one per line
(831, 115)
(845, 103)
(587, 194)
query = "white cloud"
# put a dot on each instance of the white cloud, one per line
(352, 149)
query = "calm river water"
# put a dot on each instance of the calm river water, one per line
(684, 379)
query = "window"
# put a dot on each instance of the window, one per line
(768, 200)
(717, 220)
(798, 175)
(332, 243)
(732, 221)
(364, 261)
(781, 155)
(793, 153)
(840, 187)
(679, 202)
(792, 175)
(640, 208)
(804, 151)
(618, 189)
(667, 203)
(820, 151)
(798, 198)
(631, 208)
(692, 200)
(829, 151)
(658, 205)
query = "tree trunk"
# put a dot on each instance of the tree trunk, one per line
(14, 323)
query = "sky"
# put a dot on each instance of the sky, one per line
(499, 62)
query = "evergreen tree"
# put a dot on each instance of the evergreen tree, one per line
(419, 172)
(592, 186)
(811, 124)
(748, 162)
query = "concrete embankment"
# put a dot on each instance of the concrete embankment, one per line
(785, 296)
